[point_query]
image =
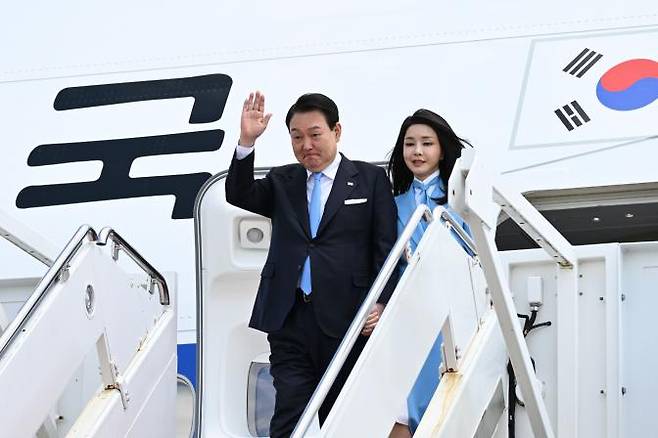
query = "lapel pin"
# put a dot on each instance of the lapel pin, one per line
(350, 183)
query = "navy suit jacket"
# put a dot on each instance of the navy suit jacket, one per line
(351, 245)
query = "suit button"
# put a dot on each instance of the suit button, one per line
(311, 245)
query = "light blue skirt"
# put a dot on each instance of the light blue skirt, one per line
(425, 385)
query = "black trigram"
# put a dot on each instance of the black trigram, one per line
(572, 114)
(582, 63)
(210, 93)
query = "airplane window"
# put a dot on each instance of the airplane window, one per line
(260, 399)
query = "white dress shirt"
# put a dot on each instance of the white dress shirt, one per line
(327, 179)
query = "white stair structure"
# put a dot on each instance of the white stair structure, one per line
(585, 384)
(440, 291)
(87, 309)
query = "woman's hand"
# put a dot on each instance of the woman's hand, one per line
(373, 319)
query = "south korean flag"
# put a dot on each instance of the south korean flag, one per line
(589, 89)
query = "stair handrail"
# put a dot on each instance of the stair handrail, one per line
(26, 239)
(457, 228)
(57, 271)
(119, 243)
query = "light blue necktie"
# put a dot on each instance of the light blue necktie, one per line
(314, 216)
(427, 189)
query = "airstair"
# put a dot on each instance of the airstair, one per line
(456, 286)
(441, 290)
(92, 352)
(532, 339)
(453, 284)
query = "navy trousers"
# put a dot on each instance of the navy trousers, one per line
(300, 354)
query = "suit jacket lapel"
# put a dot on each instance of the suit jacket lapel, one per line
(340, 190)
(296, 189)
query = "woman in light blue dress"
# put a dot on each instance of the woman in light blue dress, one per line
(421, 163)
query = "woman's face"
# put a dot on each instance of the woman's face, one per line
(421, 151)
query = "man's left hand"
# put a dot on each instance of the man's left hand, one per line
(373, 319)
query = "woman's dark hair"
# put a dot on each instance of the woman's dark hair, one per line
(314, 102)
(451, 145)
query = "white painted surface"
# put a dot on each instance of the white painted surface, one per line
(132, 336)
(436, 285)
(467, 61)
(599, 414)
(230, 279)
(639, 357)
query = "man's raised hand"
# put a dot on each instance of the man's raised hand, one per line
(254, 120)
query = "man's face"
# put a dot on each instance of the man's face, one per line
(313, 142)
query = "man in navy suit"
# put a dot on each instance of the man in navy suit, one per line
(333, 225)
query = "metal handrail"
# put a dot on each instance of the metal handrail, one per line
(359, 320)
(59, 267)
(454, 225)
(157, 278)
(59, 270)
(25, 239)
(26, 247)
